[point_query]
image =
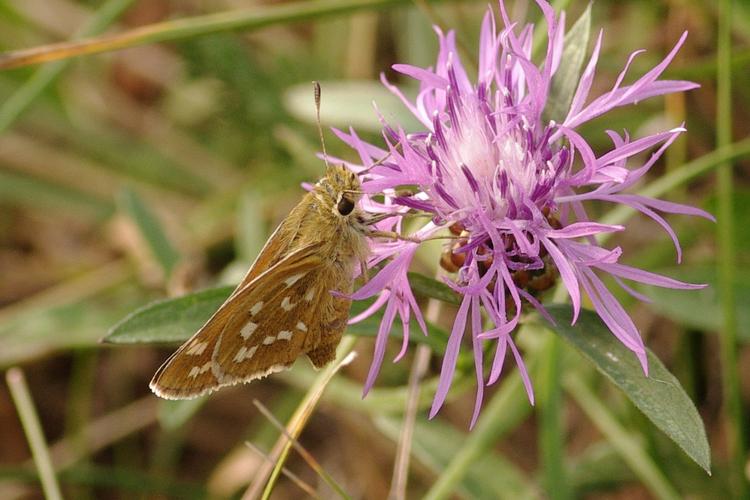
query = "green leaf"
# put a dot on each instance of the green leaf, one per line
(566, 79)
(176, 320)
(349, 104)
(150, 230)
(701, 309)
(432, 288)
(659, 396)
(171, 320)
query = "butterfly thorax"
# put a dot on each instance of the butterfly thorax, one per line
(333, 220)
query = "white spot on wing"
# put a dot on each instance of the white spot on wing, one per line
(256, 308)
(287, 304)
(291, 280)
(197, 348)
(284, 335)
(301, 326)
(269, 340)
(251, 352)
(197, 370)
(243, 354)
(240, 356)
(248, 329)
(309, 295)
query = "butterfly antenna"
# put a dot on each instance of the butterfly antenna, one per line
(316, 94)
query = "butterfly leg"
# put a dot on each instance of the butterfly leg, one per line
(392, 235)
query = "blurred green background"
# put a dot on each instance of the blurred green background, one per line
(156, 170)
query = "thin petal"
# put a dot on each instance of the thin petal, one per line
(451, 356)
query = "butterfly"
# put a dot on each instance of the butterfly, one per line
(292, 302)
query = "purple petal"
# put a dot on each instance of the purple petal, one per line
(578, 229)
(403, 312)
(522, 370)
(568, 275)
(423, 75)
(372, 309)
(476, 328)
(648, 278)
(587, 77)
(450, 356)
(380, 342)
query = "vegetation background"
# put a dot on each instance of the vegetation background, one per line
(161, 168)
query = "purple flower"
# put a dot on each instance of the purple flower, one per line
(513, 188)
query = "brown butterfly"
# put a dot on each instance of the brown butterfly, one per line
(284, 307)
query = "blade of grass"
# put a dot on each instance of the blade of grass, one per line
(306, 409)
(306, 455)
(19, 391)
(295, 426)
(150, 229)
(626, 445)
(292, 476)
(76, 289)
(241, 19)
(16, 104)
(732, 398)
(39, 194)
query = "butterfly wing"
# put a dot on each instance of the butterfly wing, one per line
(259, 330)
(278, 244)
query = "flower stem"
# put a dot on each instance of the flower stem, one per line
(735, 434)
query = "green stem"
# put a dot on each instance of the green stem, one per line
(19, 391)
(629, 448)
(551, 439)
(16, 104)
(735, 434)
(506, 409)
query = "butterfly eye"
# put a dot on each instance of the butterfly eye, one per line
(345, 206)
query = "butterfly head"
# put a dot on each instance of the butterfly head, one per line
(339, 190)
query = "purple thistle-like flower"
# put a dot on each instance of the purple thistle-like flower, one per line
(512, 187)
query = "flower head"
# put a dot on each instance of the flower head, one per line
(512, 185)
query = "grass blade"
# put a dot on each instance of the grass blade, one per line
(245, 19)
(16, 104)
(33, 429)
(727, 258)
